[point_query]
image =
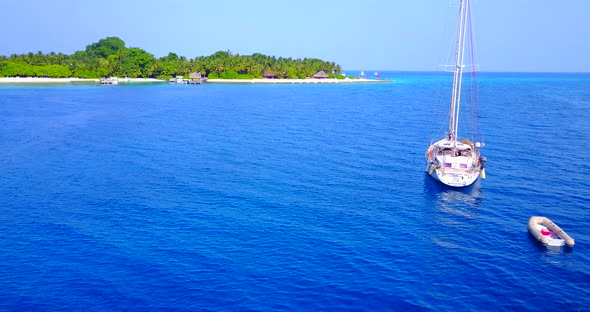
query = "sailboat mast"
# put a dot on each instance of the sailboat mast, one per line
(458, 72)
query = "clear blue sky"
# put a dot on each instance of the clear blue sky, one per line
(511, 35)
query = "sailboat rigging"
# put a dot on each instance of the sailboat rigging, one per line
(454, 162)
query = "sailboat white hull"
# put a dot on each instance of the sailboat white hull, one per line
(454, 163)
(454, 179)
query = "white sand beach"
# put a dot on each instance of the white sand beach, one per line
(310, 80)
(33, 80)
(17, 80)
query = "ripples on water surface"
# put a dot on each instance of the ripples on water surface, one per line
(288, 197)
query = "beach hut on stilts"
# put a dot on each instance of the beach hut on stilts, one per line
(196, 78)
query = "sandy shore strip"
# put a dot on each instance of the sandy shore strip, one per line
(33, 80)
(311, 80)
(17, 80)
(37, 80)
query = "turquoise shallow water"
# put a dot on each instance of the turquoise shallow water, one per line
(289, 197)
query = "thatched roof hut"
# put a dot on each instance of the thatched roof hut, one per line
(320, 75)
(269, 75)
(195, 75)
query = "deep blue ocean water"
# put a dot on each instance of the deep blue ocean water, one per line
(289, 197)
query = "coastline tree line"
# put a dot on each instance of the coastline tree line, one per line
(109, 57)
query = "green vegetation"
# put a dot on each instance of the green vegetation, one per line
(110, 57)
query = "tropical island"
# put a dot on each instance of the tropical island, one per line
(110, 57)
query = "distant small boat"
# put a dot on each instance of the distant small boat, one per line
(549, 233)
(377, 75)
(109, 81)
(178, 79)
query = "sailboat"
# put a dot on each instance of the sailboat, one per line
(456, 162)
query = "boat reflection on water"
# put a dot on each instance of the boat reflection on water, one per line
(457, 201)
(549, 250)
(453, 212)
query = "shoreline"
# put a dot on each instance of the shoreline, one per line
(294, 81)
(38, 80)
(35, 80)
